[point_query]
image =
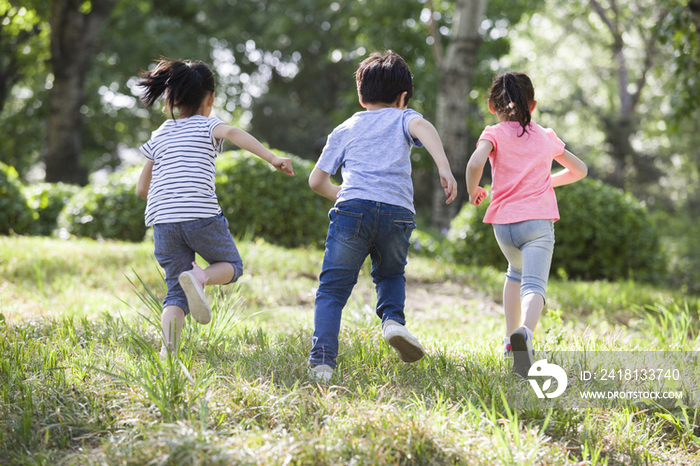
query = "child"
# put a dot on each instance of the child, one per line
(374, 210)
(523, 208)
(178, 183)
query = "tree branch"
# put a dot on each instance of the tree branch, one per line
(437, 48)
(650, 51)
(601, 12)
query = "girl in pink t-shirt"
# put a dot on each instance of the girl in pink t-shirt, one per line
(523, 206)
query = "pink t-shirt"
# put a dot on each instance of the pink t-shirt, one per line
(521, 168)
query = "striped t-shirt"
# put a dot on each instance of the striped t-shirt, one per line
(183, 153)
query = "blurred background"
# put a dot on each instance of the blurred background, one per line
(616, 80)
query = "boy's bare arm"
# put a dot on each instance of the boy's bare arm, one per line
(248, 142)
(321, 183)
(426, 133)
(144, 181)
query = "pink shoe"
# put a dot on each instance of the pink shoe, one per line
(192, 283)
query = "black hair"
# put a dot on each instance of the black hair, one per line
(511, 95)
(383, 78)
(185, 84)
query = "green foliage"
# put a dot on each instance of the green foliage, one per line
(471, 241)
(281, 209)
(678, 34)
(107, 210)
(15, 214)
(48, 200)
(682, 249)
(605, 234)
(425, 244)
(24, 58)
(602, 234)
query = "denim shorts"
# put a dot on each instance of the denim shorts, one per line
(528, 246)
(177, 243)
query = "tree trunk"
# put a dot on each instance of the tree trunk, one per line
(73, 35)
(451, 120)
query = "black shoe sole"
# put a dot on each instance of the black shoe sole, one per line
(522, 361)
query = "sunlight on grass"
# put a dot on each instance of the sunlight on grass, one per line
(81, 380)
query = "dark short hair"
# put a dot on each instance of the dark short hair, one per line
(383, 77)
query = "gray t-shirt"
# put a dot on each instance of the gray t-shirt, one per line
(373, 148)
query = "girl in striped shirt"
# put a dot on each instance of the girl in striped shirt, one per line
(178, 183)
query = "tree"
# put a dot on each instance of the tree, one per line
(455, 76)
(74, 27)
(622, 122)
(24, 38)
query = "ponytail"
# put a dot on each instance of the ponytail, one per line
(511, 95)
(185, 85)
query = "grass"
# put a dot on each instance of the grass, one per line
(81, 382)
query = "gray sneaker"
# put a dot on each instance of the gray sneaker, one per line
(321, 372)
(402, 341)
(523, 354)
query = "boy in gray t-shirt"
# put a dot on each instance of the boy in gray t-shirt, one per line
(373, 211)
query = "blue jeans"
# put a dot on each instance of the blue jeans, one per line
(528, 246)
(359, 228)
(177, 243)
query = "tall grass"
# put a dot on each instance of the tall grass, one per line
(91, 389)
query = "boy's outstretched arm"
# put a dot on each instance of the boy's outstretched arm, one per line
(248, 142)
(574, 169)
(144, 181)
(475, 169)
(321, 183)
(426, 133)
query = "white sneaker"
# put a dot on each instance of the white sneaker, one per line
(402, 341)
(193, 286)
(523, 354)
(321, 372)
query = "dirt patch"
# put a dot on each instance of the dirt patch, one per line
(426, 297)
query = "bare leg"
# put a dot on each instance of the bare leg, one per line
(511, 305)
(171, 323)
(219, 273)
(532, 305)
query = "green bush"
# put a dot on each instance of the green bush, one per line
(111, 209)
(259, 200)
(48, 200)
(602, 234)
(681, 243)
(425, 244)
(15, 214)
(471, 241)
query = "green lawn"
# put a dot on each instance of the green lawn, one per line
(81, 382)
